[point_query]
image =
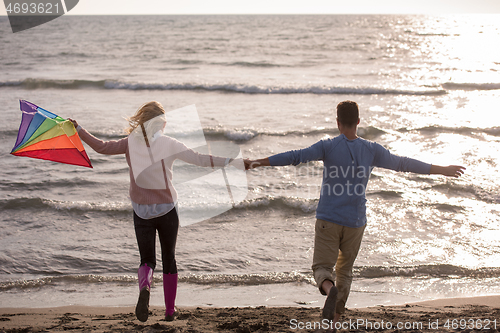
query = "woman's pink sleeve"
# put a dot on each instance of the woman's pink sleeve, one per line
(113, 147)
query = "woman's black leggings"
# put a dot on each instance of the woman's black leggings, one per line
(145, 231)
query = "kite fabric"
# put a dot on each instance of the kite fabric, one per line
(47, 136)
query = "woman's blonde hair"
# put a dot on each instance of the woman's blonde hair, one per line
(146, 112)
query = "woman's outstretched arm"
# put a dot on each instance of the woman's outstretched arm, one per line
(113, 147)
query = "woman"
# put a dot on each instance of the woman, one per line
(150, 156)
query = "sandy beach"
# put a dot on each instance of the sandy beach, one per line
(444, 315)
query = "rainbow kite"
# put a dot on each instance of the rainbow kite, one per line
(47, 136)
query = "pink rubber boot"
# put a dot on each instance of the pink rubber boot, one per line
(169, 291)
(145, 275)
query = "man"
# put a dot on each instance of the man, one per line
(341, 213)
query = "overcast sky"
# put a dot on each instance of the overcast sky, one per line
(131, 7)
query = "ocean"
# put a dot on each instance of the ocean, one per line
(428, 87)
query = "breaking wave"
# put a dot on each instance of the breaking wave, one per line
(246, 134)
(31, 83)
(443, 271)
(469, 131)
(470, 86)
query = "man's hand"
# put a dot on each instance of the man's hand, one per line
(454, 171)
(252, 164)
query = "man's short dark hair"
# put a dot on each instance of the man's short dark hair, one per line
(348, 113)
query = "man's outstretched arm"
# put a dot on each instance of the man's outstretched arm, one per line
(385, 159)
(449, 171)
(291, 157)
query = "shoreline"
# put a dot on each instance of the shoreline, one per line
(365, 293)
(440, 315)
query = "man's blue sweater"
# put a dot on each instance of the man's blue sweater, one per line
(347, 168)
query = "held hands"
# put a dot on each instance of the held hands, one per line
(248, 164)
(252, 164)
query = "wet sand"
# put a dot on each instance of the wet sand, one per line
(446, 315)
